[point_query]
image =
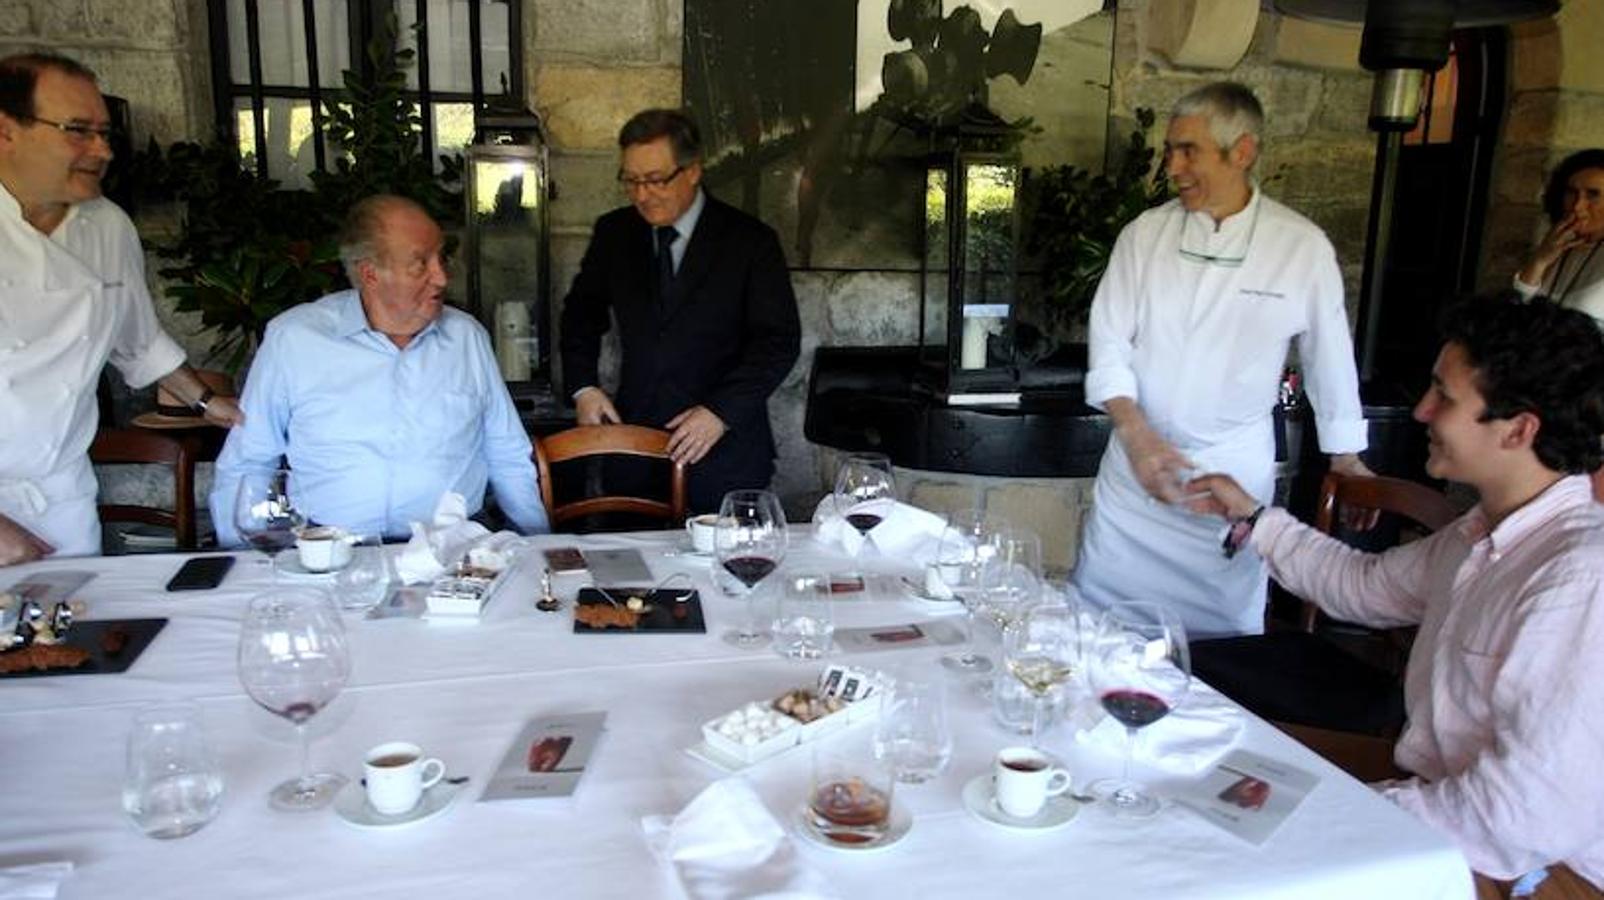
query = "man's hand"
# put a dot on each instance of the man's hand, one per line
(695, 431)
(1157, 464)
(223, 412)
(19, 545)
(594, 407)
(1224, 497)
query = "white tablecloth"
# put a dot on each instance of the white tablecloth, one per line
(463, 690)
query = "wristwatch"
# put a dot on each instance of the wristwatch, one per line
(205, 398)
(1236, 537)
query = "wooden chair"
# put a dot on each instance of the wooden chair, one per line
(595, 441)
(114, 446)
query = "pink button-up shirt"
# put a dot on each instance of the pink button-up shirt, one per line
(1505, 685)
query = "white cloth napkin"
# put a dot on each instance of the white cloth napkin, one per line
(433, 547)
(39, 881)
(724, 845)
(907, 532)
(1199, 731)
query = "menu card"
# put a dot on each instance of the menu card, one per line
(547, 759)
(892, 637)
(1247, 794)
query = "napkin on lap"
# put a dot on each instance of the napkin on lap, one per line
(724, 845)
(907, 532)
(433, 547)
(35, 882)
(1185, 742)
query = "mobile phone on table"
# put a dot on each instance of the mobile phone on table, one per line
(201, 573)
(562, 560)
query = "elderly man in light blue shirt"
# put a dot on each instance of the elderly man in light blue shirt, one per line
(381, 398)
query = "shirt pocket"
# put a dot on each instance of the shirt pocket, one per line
(1471, 677)
(450, 424)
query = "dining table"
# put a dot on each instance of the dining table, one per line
(463, 689)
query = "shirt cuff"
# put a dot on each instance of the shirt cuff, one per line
(1342, 435)
(575, 395)
(1526, 291)
(159, 360)
(1104, 384)
(1272, 522)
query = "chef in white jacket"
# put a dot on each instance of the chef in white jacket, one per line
(72, 297)
(1190, 329)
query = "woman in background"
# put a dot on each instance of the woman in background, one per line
(1567, 266)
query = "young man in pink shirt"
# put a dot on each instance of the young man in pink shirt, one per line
(1505, 684)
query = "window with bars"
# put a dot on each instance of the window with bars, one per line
(275, 61)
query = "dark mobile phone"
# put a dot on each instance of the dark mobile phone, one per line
(201, 573)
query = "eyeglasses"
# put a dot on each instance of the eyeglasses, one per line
(77, 132)
(1210, 259)
(654, 183)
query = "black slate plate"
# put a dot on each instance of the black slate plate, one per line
(88, 635)
(665, 617)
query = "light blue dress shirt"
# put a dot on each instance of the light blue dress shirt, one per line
(376, 434)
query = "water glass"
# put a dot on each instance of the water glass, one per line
(912, 738)
(1013, 706)
(804, 625)
(365, 580)
(173, 785)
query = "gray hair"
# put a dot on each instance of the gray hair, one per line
(364, 225)
(1229, 108)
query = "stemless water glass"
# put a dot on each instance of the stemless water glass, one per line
(293, 661)
(1139, 670)
(912, 738)
(1043, 650)
(804, 626)
(967, 542)
(173, 784)
(864, 494)
(365, 580)
(749, 543)
(264, 513)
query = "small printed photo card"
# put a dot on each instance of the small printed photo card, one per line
(892, 637)
(1247, 794)
(848, 684)
(547, 759)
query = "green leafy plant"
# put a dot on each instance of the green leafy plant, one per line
(1075, 217)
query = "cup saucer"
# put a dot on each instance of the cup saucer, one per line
(981, 800)
(289, 566)
(897, 829)
(351, 804)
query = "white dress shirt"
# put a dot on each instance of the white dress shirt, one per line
(69, 302)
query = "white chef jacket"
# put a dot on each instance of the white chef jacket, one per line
(69, 302)
(1200, 346)
(1576, 281)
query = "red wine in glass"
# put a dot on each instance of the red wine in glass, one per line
(749, 569)
(271, 541)
(1135, 709)
(864, 521)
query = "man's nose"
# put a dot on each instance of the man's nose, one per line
(437, 272)
(1422, 410)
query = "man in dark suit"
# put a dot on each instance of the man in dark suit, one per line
(706, 317)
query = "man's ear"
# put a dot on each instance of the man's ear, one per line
(367, 274)
(1522, 433)
(1245, 152)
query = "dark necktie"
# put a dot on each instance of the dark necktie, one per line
(665, 235)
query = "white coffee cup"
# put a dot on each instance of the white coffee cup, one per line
(701, 529)
(1024, 779)
(397, 775)
(323, 548)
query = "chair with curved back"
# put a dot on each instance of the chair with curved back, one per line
(600, 441)
(118, 446)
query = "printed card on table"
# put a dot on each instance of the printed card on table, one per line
(547, 759)
(891, 637)
(1247, 794)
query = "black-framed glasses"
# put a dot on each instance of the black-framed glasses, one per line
(77, 132)
(656, 183)
(1210, 259)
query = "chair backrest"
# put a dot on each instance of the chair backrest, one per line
(115, 446)
(1418, 503)
(610, 440)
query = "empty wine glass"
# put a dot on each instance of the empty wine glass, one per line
(264, 513)
(1043, 649)
(912, 738)
(968, 541)
(1010, 581)
(293, 661)
(865, 493)
(750, 542)
(1139, 670)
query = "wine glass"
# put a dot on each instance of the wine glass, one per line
(293, 661)
(264, 514)
(865, 493)
(1010, 581)
(968, 541)
(1139, 670)
(1043, 649)
(912, 738)
(749, 543)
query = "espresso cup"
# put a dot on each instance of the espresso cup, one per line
(397, 775)
(701, 529)
(323, 548)
(1025, 778)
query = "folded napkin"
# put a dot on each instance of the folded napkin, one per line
(725, 844)
(1196, 733)
(434, 547)
(907, 532)
(36, 882)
